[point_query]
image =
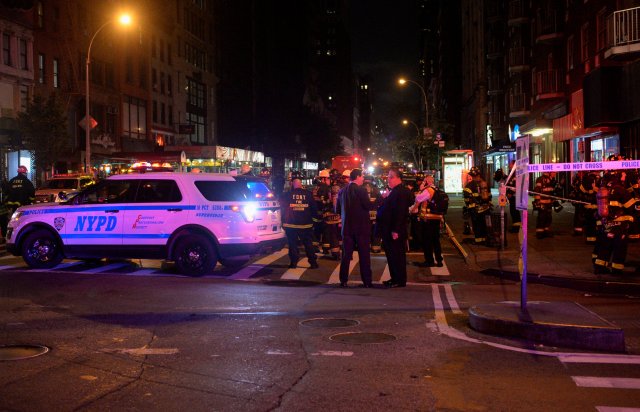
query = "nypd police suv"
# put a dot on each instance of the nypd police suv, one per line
(193, 219)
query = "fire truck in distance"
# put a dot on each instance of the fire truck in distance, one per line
(342, 163)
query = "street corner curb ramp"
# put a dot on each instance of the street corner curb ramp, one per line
(562, 324)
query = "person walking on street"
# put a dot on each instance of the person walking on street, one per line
(353, 204)
(299, 209)
(392, 219)
(21, 191)
(429, 220)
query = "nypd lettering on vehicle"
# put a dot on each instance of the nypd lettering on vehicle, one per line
(95, 223)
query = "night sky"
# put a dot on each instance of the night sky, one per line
(385, 45)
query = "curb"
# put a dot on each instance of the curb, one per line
(563, 324)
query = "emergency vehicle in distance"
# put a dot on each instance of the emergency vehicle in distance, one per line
(342, 163)
(62, 187)
(193, 219)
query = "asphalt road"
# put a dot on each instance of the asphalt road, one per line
(133, 335)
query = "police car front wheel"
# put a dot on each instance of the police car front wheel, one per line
(195, 255)
(41, 250)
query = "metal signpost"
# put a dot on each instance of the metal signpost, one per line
(522, 204)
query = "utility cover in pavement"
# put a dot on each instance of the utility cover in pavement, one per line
(329, 323)
(18, 352)
(363, 337)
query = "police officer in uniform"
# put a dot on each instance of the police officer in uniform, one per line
(21, 191)
(543, 204)
(299, 209)
(477, 199)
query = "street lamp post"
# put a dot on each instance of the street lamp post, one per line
(402, 81)
(124, 19)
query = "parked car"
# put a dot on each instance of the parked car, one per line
(193, 219)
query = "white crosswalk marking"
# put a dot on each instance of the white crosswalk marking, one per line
(3, 267)
(443, 271)
(67, 265)
(107, 268)
(598, 358)
(335, 275)
(250, 270)
(606, 382)
(453, 304)
(386, 275)
(296, 273)
(615, 409)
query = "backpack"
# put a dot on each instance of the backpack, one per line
(439, 203)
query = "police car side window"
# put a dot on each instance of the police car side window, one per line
(224, 191)
(109, 191)
(151, 191)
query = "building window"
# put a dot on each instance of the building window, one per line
(41, 64)
(40, 12)
(169, 53)
(163, 117)
(169, 85)
(601, 27)
(134, 118)
(154, 111)
(198, 134)
(170, 115)
(161, 82)
(570, 55)
(129, 69)
(195, 94)
(143, 74)
(56, 73)
(153, 46)
(23, 55)
(6, 49)
(154, 79)
(584, 43)
(161, 50)
(109, 75)
(24, 97)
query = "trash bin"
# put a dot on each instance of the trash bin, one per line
(494, 224)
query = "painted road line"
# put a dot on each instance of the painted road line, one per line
(616, 409)
(106, 268)
(606, 382)
(386, 275)
(453, 304)
(144, 272)
(596, 358)
(335, 275)
(443, 271)
(3, 267)
(296, 273)
(67, 265)
(441, 319)
(250, 270)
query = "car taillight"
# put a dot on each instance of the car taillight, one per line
(248, 212)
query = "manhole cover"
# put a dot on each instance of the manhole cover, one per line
(362, 337)
(329, 323)
(18, 352)
(294, 283)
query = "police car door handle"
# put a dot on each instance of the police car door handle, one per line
(174, 210)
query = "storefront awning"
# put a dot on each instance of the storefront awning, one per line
(151, 157)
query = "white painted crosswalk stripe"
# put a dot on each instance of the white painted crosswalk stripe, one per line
(250, 270)
(606, 382)
(616, 409)
(598, 358)
(67, 265)
(296, 273)
(107, 268)
(3, 267)
(335, 275)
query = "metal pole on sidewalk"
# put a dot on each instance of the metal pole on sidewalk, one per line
(523, 257)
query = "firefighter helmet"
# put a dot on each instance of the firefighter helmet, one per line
(474, 171)
(324, 173)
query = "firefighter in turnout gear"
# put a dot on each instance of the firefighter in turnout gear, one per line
(20, 192)
(299, 209)
(477, 199)
(614, 202)
(588, 189)
(332, 220)
(579, 210)
(322, 196)
(543, 204)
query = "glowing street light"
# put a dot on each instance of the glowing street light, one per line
(124, 20)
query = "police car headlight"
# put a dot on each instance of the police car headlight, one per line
(249, 213)
(16, 215)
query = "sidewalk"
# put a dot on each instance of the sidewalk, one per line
(563, 260)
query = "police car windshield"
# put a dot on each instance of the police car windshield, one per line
(257, 186)
(61, 184)
(224, 191)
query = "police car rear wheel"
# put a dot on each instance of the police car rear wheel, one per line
(41, 250)
(195, 255)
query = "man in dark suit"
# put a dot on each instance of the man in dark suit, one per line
(353, 204)
(392, 220)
